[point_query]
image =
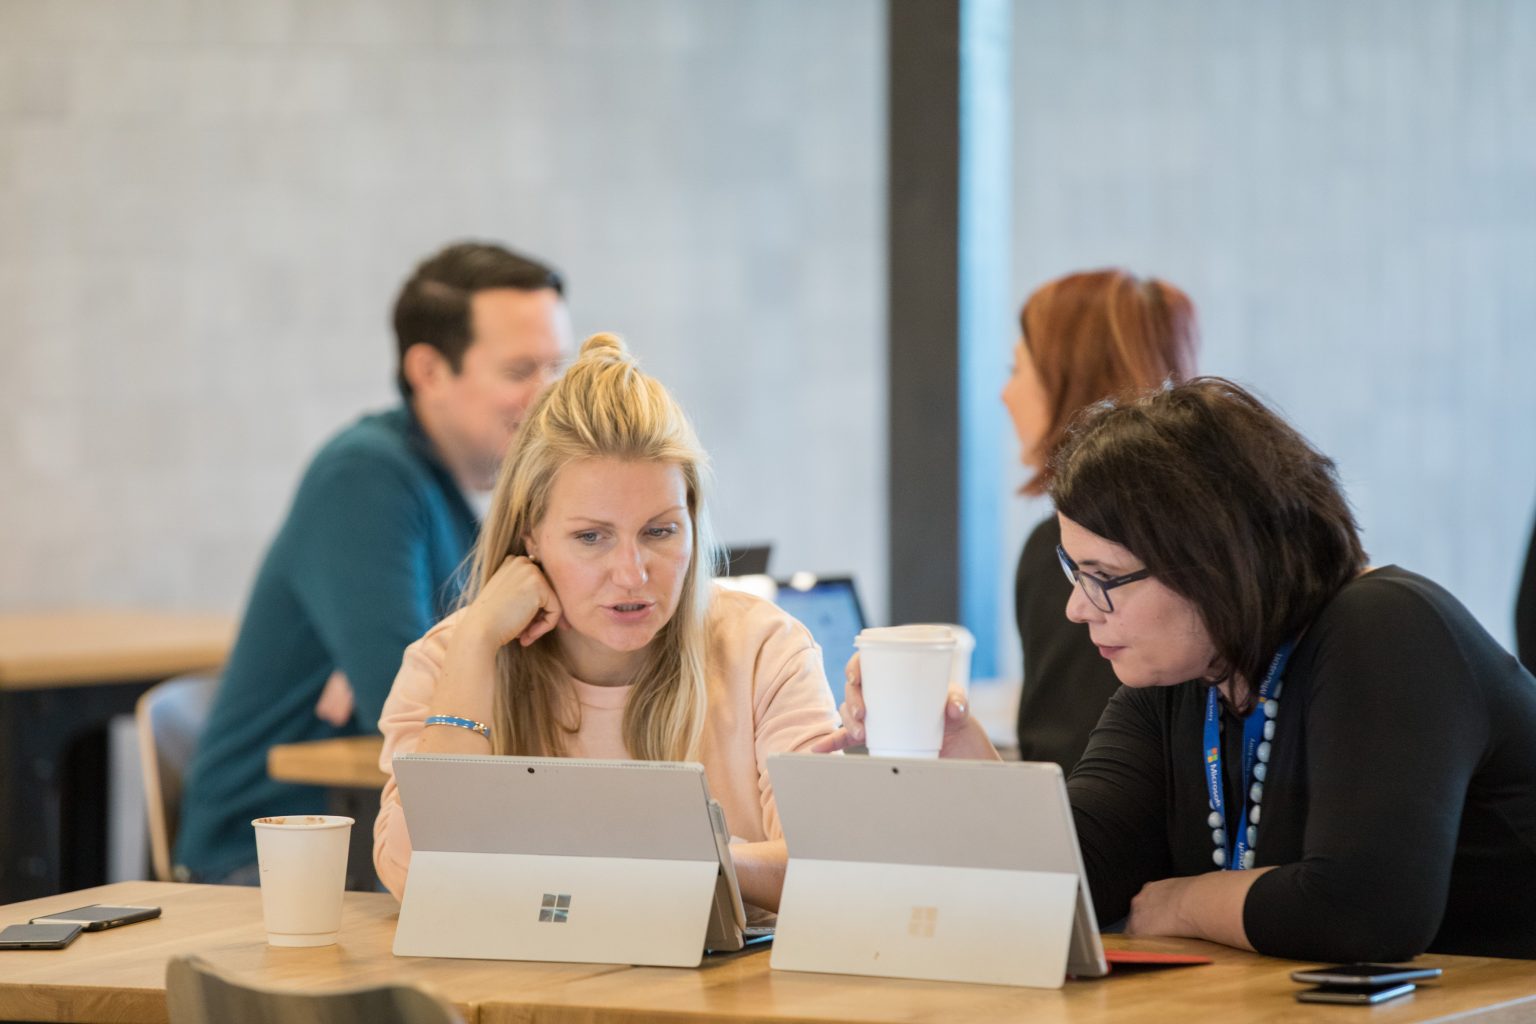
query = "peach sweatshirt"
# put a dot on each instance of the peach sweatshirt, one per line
(767, 691)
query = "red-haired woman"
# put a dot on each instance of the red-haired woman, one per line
(1083, 338)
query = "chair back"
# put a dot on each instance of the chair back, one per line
(170, 718)
(195, 993)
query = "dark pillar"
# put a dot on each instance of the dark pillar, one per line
(949, 239)
(924, 454)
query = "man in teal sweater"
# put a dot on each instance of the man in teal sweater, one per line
(373, 549)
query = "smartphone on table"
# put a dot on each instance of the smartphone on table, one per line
(1358, 995)
(1360, 984)
(1364, 974)
(99, 917)
(38, 936)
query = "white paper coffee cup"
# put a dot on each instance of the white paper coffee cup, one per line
(965, 646)
(303, 861)
(905, 671)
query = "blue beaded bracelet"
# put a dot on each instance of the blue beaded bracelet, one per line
(460, 723)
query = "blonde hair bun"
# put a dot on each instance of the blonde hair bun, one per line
(607, 348)
(603, 407)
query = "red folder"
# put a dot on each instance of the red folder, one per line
(1147, 958)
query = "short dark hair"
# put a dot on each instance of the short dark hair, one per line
(1226, 503)
(433, 307)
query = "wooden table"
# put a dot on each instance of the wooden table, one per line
(80, 648)
(63, 676)
(348, 768)
(351, 762)
(119, 976)
(1238, 987)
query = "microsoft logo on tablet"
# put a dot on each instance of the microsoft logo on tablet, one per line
(924, 920)
(556, 908)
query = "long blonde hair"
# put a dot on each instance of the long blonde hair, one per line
(603, 407)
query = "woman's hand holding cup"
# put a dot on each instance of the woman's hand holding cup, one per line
(963, 735)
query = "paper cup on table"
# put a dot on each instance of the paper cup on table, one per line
(303, 860)
(905, 672)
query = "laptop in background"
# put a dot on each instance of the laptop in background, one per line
(829, 607)
(743, 560)
(589, 861)
(942, 870)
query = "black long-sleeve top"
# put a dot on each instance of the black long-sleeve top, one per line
(1400, 805)
(1066, 681)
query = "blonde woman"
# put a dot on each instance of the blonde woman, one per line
(591, 627)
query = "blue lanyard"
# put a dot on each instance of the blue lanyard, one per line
(1253, 736)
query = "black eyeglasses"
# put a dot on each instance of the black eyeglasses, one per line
(1095, 589)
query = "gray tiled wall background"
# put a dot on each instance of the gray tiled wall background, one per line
(1348, 190)
(206, 207)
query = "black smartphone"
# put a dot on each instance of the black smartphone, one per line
(98, 916)
(1363, 974)
(1358, 995)
(38, 936)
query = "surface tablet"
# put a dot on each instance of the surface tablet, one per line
(939, 869)
(565, 859)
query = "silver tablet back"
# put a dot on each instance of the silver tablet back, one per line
(558, 859)
(956, 870)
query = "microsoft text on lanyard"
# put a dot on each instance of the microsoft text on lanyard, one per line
(1258, 734)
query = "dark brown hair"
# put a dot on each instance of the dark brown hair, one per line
(433, 307)
(1226, 503)
(1100, 333)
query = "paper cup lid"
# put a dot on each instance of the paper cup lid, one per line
(922, 636)
(302, 821)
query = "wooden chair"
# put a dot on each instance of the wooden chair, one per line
(170, 718)
(195, 993)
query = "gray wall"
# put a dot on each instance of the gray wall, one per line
(1348, 190)
(206, 208)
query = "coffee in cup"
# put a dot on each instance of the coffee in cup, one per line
(303, 862)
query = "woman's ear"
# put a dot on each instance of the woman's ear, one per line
(530, 548)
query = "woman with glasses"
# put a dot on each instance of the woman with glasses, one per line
(1083, 337)
(1309, 757)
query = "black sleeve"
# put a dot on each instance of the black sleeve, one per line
(1394, 728)
(1525, 610)
(1118, 795)
(1066, 681)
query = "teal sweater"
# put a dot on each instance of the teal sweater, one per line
(368, 559)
